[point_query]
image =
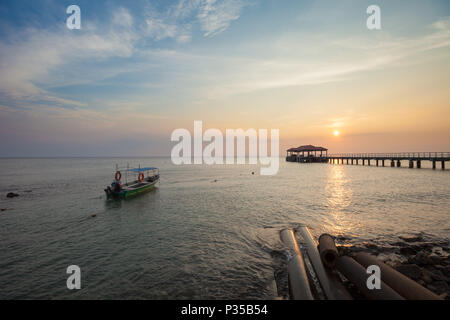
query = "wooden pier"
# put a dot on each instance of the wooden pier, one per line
(392, 159)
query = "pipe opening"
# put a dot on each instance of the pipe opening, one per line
(329, 257)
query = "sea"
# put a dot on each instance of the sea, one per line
(205, 232)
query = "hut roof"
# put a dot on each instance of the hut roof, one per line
(307, 148)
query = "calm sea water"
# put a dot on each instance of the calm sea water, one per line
(207, 232)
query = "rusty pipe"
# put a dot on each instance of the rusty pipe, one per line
(332, 287)
(356, 274)
(298, 279)
(328, 251)
(406, 287)
(314, 257)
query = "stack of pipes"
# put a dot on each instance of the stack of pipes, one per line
(326, 263)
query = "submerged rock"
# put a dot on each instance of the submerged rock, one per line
(421, 259)
(412, 271)
(412, 239)
(438, 287)
(342, 238)
(12, 195)
(408, 251)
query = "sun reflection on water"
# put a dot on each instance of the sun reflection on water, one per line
(339, 195)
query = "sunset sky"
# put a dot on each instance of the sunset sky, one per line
(137, 70)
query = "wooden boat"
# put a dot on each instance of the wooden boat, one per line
(142, 180)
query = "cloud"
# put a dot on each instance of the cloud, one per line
(212, 16)
(122, 17)
(215, 16)
(290, 64)
(29, 60)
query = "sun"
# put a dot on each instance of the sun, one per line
(336, 133)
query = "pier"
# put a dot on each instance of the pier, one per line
(414, 159)
(310, 154)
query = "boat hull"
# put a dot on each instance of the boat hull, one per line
(128, 193)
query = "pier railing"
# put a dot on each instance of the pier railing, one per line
(400, 155)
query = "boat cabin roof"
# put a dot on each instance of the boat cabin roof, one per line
(142, 169)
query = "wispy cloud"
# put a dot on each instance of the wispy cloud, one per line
(178, 21)
(28, 60)
(216, 16)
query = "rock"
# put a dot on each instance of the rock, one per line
(12, 195)
(446, 271)
(426, 276)
(370, 245)
(412, 271)
(438, 251)
(439, 287)
(398, 244)
(438, 276)
(391, 259)
(412, 239)
(421, 259)
(408, 251)
(423, 246)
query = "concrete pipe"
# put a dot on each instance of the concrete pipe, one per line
(332, 287)
(298, 279)
(327, 250)
(357, 274)
(406, 287)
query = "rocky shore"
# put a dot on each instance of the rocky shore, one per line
(424, 261)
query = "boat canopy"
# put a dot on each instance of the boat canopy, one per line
(142, 169)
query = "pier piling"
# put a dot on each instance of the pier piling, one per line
(395, 158)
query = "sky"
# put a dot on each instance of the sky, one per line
(138, 70)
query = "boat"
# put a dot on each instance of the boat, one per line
(136, 181)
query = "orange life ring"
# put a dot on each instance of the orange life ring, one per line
(141, 177)
(118, 176)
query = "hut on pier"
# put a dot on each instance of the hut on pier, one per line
(307, 154)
